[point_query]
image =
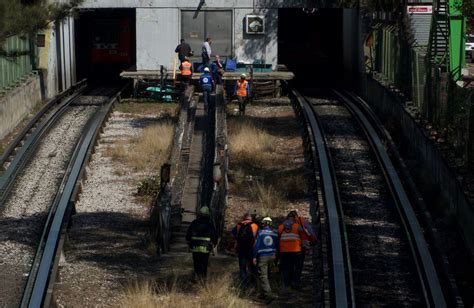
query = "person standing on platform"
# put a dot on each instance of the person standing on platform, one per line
(264, 256)
(201, 238)
(242, 90)
(186, 73)
(245, 233)
(206, 84)
(206, 52)
(290, 251)
(217, 70)
(183, 50)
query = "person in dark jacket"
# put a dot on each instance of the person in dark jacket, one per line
(264, 256)
(244, 234)
(201, 238)
(217, 70)
(183, 50)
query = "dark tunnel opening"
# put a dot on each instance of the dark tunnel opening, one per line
(105, 44)
(310, 45)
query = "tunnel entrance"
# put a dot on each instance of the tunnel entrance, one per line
(310, 45)
(105, 44)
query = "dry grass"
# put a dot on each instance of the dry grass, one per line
(266, 198)
(152, 107)
(250, 146)
(218, 291)
(147, 151)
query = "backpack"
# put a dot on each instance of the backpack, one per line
(245, 238)
(308, 233)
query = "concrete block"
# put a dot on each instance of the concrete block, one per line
(17, 103)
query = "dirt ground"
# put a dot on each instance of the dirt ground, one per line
(113, 253)
(287, 160)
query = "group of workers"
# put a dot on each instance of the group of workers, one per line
(259, 248)
(211, 75)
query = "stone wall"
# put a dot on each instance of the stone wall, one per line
(17, 103)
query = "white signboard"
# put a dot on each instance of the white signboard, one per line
(419, 9)
(255, 24)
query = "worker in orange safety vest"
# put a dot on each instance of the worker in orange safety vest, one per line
(242, 91)
(186, 72)
(290, 233)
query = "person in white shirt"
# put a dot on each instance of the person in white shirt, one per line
(206, 52)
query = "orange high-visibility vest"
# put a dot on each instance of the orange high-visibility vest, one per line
(290, 241)
(242, 87)
(186, 68)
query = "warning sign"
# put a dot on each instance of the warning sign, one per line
(255, 24)
(419, 9)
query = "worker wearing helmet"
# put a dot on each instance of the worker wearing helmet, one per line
(206, 84)
(242, 91)
(264, 256)
(201, 238)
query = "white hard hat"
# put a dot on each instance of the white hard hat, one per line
(267, 220)
(206, 69)
(243, 76)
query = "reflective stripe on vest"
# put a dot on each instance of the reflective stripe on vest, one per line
(289, 241)
(186, 68)
(266, 250)
(200, 244)
(242, 87)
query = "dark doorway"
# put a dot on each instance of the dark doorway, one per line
(105, 44)
(310, 45)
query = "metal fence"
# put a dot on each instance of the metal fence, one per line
(17, 63)
(439, 100)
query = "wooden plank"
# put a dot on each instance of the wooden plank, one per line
(227, 75)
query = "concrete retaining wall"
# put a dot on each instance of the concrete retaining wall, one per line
(17, 103)
(389, 107)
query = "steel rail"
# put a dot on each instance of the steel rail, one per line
(35, 292)
(447, 280)
(47, 107)
(7, 179)
(429, 280)
(343, 290)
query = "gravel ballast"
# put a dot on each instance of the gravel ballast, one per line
(105, 251)
(26, 208)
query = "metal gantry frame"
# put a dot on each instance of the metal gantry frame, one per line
(447, 37)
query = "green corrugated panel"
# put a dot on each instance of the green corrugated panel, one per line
(456, 38)
(13, 70)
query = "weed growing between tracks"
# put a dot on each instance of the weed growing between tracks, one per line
(217, 291)
(147, 151)
(259, 169)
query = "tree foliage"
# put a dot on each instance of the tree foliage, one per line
(19, 17)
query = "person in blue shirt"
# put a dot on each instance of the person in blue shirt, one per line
(206, 84)
(264, 255)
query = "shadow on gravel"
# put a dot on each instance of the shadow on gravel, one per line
(146, 121)
(114, 241)
(19, 230)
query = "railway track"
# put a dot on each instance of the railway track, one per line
(76, 121)
(377, 253)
